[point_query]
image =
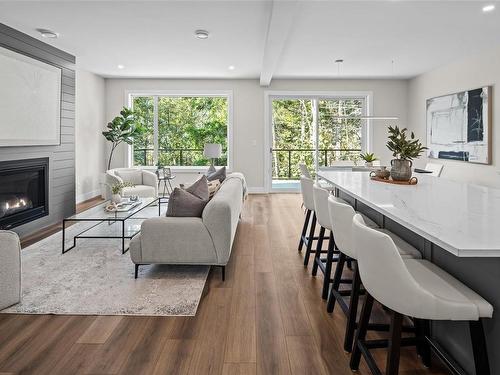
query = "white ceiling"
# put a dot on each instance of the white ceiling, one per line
(156, 39)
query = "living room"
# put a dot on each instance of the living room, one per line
(160, 161)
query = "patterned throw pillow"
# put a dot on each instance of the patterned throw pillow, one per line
(218, 175)
(184, 204)
(213, 187)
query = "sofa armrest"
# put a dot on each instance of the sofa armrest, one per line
(112, 179)
(173, 240)
(149, 178)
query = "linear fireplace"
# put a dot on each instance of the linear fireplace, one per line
(23, 191)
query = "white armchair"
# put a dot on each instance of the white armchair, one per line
(10, 269)
(145, 182)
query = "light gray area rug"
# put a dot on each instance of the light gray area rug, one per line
(95, 278)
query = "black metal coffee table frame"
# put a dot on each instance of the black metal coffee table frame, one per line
(110, 220)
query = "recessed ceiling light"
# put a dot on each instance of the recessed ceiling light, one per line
(201, 34)
(46, 33)
(121, 66)
(231, 67)
(488, 8)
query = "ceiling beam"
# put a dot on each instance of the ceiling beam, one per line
(280, 22)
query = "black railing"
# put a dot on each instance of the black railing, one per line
(286, 160)
(176, 156)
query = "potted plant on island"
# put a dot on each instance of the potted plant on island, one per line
(369, 158)
(404, 151)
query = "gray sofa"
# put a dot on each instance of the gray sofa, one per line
(10, 269)
(191, 240)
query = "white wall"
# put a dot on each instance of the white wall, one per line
(90, 144)
(389, 98)
(470, 73)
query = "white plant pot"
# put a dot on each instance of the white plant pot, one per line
(369, 164)
(116, 198)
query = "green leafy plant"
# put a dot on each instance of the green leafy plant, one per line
(401, 146)
(117, 188)
(368, 157)
(123, 128)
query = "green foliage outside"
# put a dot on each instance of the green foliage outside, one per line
(294, 135)
(185, 124)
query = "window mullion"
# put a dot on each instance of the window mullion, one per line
(155, 130)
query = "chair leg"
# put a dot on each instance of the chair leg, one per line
(136, 270)
(394, 349)
(361, 332)
(479, 349)
(317, 255)
(422, 329)
(328, 266)
(304, 229)
(310, 240)
(353, 310)
(336, 282)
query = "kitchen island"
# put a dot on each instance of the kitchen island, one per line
(455, 225)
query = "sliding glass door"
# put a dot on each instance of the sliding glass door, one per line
(315, 131)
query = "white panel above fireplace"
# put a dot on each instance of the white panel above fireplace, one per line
(30, 101)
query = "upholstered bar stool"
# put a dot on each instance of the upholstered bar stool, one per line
(320, 197)
(341, 216)
(306, 189)
(416, 288)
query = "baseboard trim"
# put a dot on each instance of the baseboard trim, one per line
(88, 196)
(256, 190)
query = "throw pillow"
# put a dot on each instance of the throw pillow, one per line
(134, 176)
(199, 188)
(218, 175)
(184, 204)
(213, 187)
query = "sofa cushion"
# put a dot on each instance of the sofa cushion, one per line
(142, 191)
(218, 175)
(134, 176)
(199, 188)
(184, 204)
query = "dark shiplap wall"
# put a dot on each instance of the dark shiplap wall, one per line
(62, 157)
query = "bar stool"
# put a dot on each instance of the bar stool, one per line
(320, 197)
(416, 288)
(306, 189)
(341, 215)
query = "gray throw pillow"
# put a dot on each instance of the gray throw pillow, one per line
(184, 204)
(218, 175)
(199, 188)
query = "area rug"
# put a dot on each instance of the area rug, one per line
(95, 278)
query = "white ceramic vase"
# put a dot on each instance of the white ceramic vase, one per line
(116, 198)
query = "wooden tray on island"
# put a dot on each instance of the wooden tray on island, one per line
(411, 181)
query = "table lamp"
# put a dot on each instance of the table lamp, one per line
(212, 151)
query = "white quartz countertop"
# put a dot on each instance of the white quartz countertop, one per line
(462, 218)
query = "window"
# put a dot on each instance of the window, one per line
(178, 126)
(306, 128)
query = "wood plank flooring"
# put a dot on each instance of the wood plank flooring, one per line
(267, 318)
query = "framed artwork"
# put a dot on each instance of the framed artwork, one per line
(459, 126)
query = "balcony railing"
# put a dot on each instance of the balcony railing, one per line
(176, 157)
(286, 160)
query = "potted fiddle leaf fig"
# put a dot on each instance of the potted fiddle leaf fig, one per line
(123, 128)
(369, 158)
(404, 149)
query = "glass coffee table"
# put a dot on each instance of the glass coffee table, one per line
(118, 225)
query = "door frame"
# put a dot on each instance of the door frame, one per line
(269, 95)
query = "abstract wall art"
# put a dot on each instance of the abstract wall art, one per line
(459, 126)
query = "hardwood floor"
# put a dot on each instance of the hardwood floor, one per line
(267, 318)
